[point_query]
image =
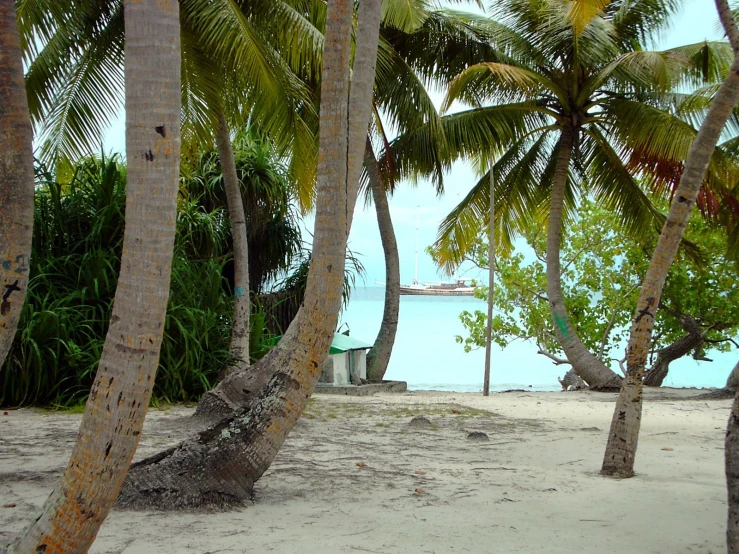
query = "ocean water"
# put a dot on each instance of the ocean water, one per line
(427, 356)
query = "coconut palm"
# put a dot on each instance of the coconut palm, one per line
(589, 107)
(624, 432)
(431, 46)
(241, 446)
(114, 415)
(16, 180)
(74, 85)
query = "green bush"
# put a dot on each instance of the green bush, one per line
(78, 235)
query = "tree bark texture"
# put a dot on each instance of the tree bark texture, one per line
(360, 96)
(731, 464)
(16, 180)
(681, 347)
(624, 433)
(378, 357)
(219, 466)
(229, 395)
(732, 381)
(597, 375)
(239, 347)
(114, 415)
(491, 284)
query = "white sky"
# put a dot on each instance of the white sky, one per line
(696, 22)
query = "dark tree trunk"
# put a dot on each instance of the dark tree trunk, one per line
(378, 357)
(682, 347)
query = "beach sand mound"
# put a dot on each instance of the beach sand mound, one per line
(353, 477)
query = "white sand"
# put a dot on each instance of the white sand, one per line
(533, 488)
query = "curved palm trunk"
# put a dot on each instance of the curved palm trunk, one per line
(378, 357)
(219, 466)
(491, 285)
(234, 392)
(239, 347)
(114, 415)
(591, 369)
(624, 433)
(16, 180)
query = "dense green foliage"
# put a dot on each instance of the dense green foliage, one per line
(602, 271)
(78, 235)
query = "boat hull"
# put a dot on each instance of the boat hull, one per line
(436, 291)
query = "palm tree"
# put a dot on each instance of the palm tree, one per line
(220, 466)
(624, 433)
(584, 101)
(224, 56)
(115, 410)
(378, 356)
(16, 180)
(420, 46)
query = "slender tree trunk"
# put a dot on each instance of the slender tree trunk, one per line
(624, 434)
(114, 415)
(219, 466)
(16, 180)
(378, 357)
(234, 392)
(491, 285)
(239, 347)
(731, 464)
(586, 365)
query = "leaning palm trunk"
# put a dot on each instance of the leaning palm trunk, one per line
(219, 466)
(378, 357)
(597, 375)
(234, 392)
(624, 433)
(120, 394)
(16, 180)
(239, 347)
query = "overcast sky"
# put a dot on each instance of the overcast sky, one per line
(696, 22)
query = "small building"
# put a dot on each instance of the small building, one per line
(347, 357)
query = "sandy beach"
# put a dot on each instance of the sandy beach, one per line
(355, 477)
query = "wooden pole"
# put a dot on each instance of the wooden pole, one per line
(491, 282)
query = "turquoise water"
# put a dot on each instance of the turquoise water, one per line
(427, 356)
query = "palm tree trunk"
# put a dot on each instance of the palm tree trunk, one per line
(731, 465)
(491, 285)
(219, 466)
(624, 434)
(115, 410)
(586, 365)
(360, 96)
(378, 357)
(239, 347)
(230, 393)
(16, 180)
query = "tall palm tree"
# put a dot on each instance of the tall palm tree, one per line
(421, 46)
(16, 180)
(228, 67)
(119, 398)
(220, 466)
(624, 433)
(586, 103)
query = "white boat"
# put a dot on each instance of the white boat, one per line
(458, 287)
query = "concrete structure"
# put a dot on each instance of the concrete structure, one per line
(346, 363)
